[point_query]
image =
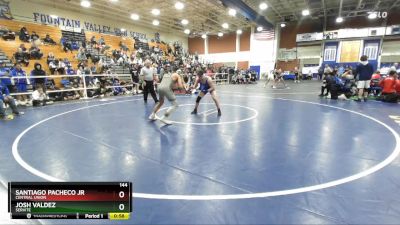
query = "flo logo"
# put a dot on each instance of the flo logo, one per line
(380, 15)
(5, 12)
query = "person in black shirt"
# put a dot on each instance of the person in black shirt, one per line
(38, 82)
(34, 36)
(134, 70)
(49, 40)
(35, 52)
(21, 57)
(24, 35)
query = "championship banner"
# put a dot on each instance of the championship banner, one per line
(350, 51)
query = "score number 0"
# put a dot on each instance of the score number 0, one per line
(121, 194)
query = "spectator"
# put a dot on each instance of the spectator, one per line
(61, 67)
(75, 45)
(375, 79)
(35, 52)
(53, 66)
(123, 46)
(81, 56)
(326, 85)
(70, 71)
(134, 70)
(50, 58)
(48, 40)
(388, 84)
(395, 67)
(5, 77)
(93, 41)
(6, 98)
(7, 34)
(39, 98)
(327, 70)
(162, 71)
(66, 45)
(21, 82)
(21, 57)
(3, 30)
(41, 81)
(364, 72)
(335, 84)
(34, 36)
(341, 70)
(101, 41)
(398, 85)
(24, 35)
(376, 75)
(320, 73)
(296, 75)
(67, 63)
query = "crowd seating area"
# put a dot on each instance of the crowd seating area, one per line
(89, 64)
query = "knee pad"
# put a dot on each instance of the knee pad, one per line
(198, 99)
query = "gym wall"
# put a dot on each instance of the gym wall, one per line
(288, 37)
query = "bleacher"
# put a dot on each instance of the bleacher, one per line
(143, 45)
(10, 47)
(78, 37)
(5, 59)
(112, 40)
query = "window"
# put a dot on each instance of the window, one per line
(371, 50)
(330, 53)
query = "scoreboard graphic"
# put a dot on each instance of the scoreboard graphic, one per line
(70, 200)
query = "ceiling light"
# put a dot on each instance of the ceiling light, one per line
(305, 12)
(283, 25)
(259, 28)
(184, 21)
(179, 5)
(232, 12)
(155, 12)
(156, 22)
(54, 16)
(123, 29)
(220, 34)
(372, 15)
(263, 6)
(85, 4)
(204, 36)
(239, 31)
(135, 16)
(339, 19)
(225, 25)
(114, 0)
(187, 31)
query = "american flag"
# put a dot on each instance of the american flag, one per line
(264, 35)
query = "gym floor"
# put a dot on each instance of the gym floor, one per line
(276, 156)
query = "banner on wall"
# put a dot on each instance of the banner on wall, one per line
(87, 26)
(5, 11)
(330, 52)
(309, 37)
(350, 51)
(349, 33)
